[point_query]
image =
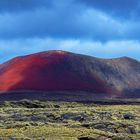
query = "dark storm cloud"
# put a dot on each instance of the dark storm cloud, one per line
(80, 19)
(119, 8)
(22, 5)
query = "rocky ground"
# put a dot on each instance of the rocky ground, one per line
(40, 120)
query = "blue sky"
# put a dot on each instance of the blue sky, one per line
(101, 28)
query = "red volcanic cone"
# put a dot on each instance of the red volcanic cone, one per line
(60, 70)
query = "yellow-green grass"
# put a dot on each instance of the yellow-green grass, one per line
(69, 121)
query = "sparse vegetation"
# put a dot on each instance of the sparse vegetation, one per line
(44, 120)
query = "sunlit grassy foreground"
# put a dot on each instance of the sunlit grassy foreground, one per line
(68, 121)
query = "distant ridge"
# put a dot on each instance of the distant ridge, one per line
(58, 70)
